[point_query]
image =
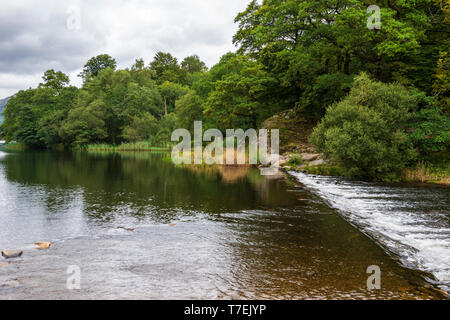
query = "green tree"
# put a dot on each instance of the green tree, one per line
(240, 98)
(193, 64)
(301, 41)
(166, 68)
(34, 116)
(366, 132)
(54, 80)
(189, 109)
(96, 64)
(85, 124)
(141, 128)
(170, 93)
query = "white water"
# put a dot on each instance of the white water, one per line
(411, 222)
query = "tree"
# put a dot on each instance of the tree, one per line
(54, 80)
(141, 128)
(171, 92)
(189, 109)
(166, 126)
(429, 127)
(241, 98)
(366, 132)
(96, 64)
(85, 124)
(193, 64)
(166, 68)
(34, 116)
(303, 40)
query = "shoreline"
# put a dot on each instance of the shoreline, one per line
(310, 163)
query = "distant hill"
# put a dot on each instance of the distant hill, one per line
(3, 103)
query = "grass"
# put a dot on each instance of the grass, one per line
(426, 172)
(16, 146)
(294, 159)
(131, 146)
(325, 170)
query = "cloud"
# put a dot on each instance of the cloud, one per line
(40, 35)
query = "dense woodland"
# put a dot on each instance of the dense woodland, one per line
(379, 97)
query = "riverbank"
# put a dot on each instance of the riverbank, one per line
(300, 155)
(131, 146)
(432, 172)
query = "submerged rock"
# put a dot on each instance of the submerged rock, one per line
(127, 229)
(8, 254)
(43, 245)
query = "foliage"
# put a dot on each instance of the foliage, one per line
(85, 124)
(365, 132)
(299, 55)
(430, 130)
(188, 109)
(141, 128)
(301, 41)
(33, 116)
(239, 98)
(171, 92)
(96, 64)
(166, 68)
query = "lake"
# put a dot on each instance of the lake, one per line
(213, 232)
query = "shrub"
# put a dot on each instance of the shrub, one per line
(294, 159)
(365, 132)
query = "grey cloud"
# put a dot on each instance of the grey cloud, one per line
(34, 36)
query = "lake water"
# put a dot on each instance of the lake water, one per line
(212, 232)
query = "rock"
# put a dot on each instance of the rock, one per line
(310, 156)
(128, 229)
(317, 162)
(8, 254)
(282, 161)
(14, 283)
(43, 245)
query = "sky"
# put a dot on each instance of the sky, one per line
(56, 34)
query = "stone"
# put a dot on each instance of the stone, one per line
(310, 156)
(127, 229)
(317, 162)
(43, 245)
(283, 160)
(8, 254)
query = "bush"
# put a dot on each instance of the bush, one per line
(365, 132)
(294, 159)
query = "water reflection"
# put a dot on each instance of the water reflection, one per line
(201, 232)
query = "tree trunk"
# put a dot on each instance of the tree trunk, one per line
(165, 106)
(347, 63)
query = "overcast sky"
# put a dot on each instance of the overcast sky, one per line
(63, 35)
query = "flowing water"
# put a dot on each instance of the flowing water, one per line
(212, 232)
